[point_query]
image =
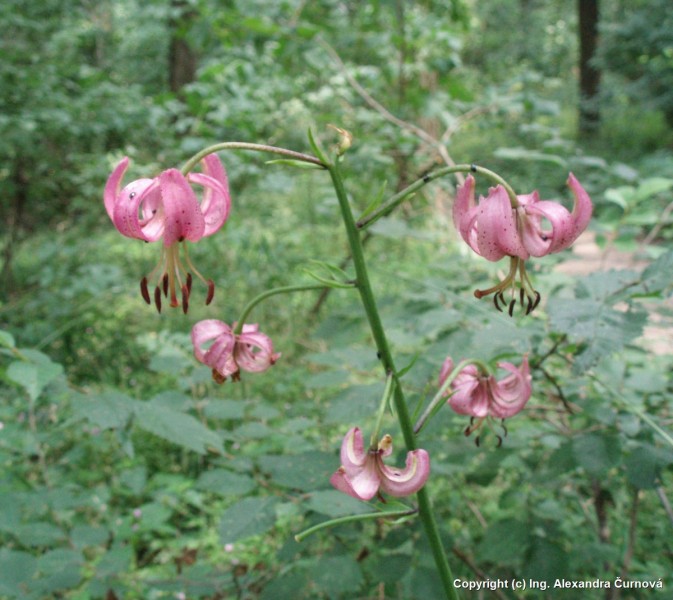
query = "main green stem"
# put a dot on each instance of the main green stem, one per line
(371, 309)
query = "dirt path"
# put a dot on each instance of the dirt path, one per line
(588, 258)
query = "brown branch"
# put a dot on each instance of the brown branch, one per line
(477, 571)
(420, 133)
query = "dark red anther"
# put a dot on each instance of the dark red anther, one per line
(189, 282)
(164, 283)
(499, 441)
(185, 298)
(510, 310)
(157, 298)
(477, 441)
(218, 378)
(529, 308)
(495, 301)
(521, 296)
(537, 300)
(211, 291)
(144, 291)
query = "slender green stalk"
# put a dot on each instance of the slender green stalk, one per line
(289, 289)
(398, 198)
(291, 154)
(371, 309)
(385, 399)
(352, 518)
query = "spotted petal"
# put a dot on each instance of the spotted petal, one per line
(183, 216)
(497, 231)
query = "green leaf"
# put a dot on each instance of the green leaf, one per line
(657, 278)
(306, 472)
(109, 410)
(38, 534)
(546, 561)
(176, 427)
(35, 373)
(337, 504)
(341, 573)
(224, 483)
(597, 452)
(354, 404)
(643, 467)
(248, 517)
(505, 542)
(374, 203)
(6, 339)
(16, 572)
(317, 150)
(225, 409)
(602, 329)
(651, 187)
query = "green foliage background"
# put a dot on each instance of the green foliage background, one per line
(127, 472)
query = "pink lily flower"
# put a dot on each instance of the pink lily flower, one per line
(496, 227)
(229, 352)
(481, 395)
(363, 473)
(166, 208)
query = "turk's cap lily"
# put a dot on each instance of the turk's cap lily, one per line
(166, 206)
(363, 474)
(493, 228)
(480, 395)
(217, 345)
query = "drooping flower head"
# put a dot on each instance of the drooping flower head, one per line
(480, 395)
(363, 474)
(497, 226)
(217, 346)
(166, 208)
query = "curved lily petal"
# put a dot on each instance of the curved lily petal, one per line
(249, 359)
(362, 484)
(465, 213)
(113, 185)
(582, 208)
(127, 206)
(184, 219)
(216, 202)
(447, 367)
(353, 453)
(203, 332)
(409, 480)
(566, 226)
(512, 393)
(469, 397)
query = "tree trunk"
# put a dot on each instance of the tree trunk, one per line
(181, 59)
(590, 76)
